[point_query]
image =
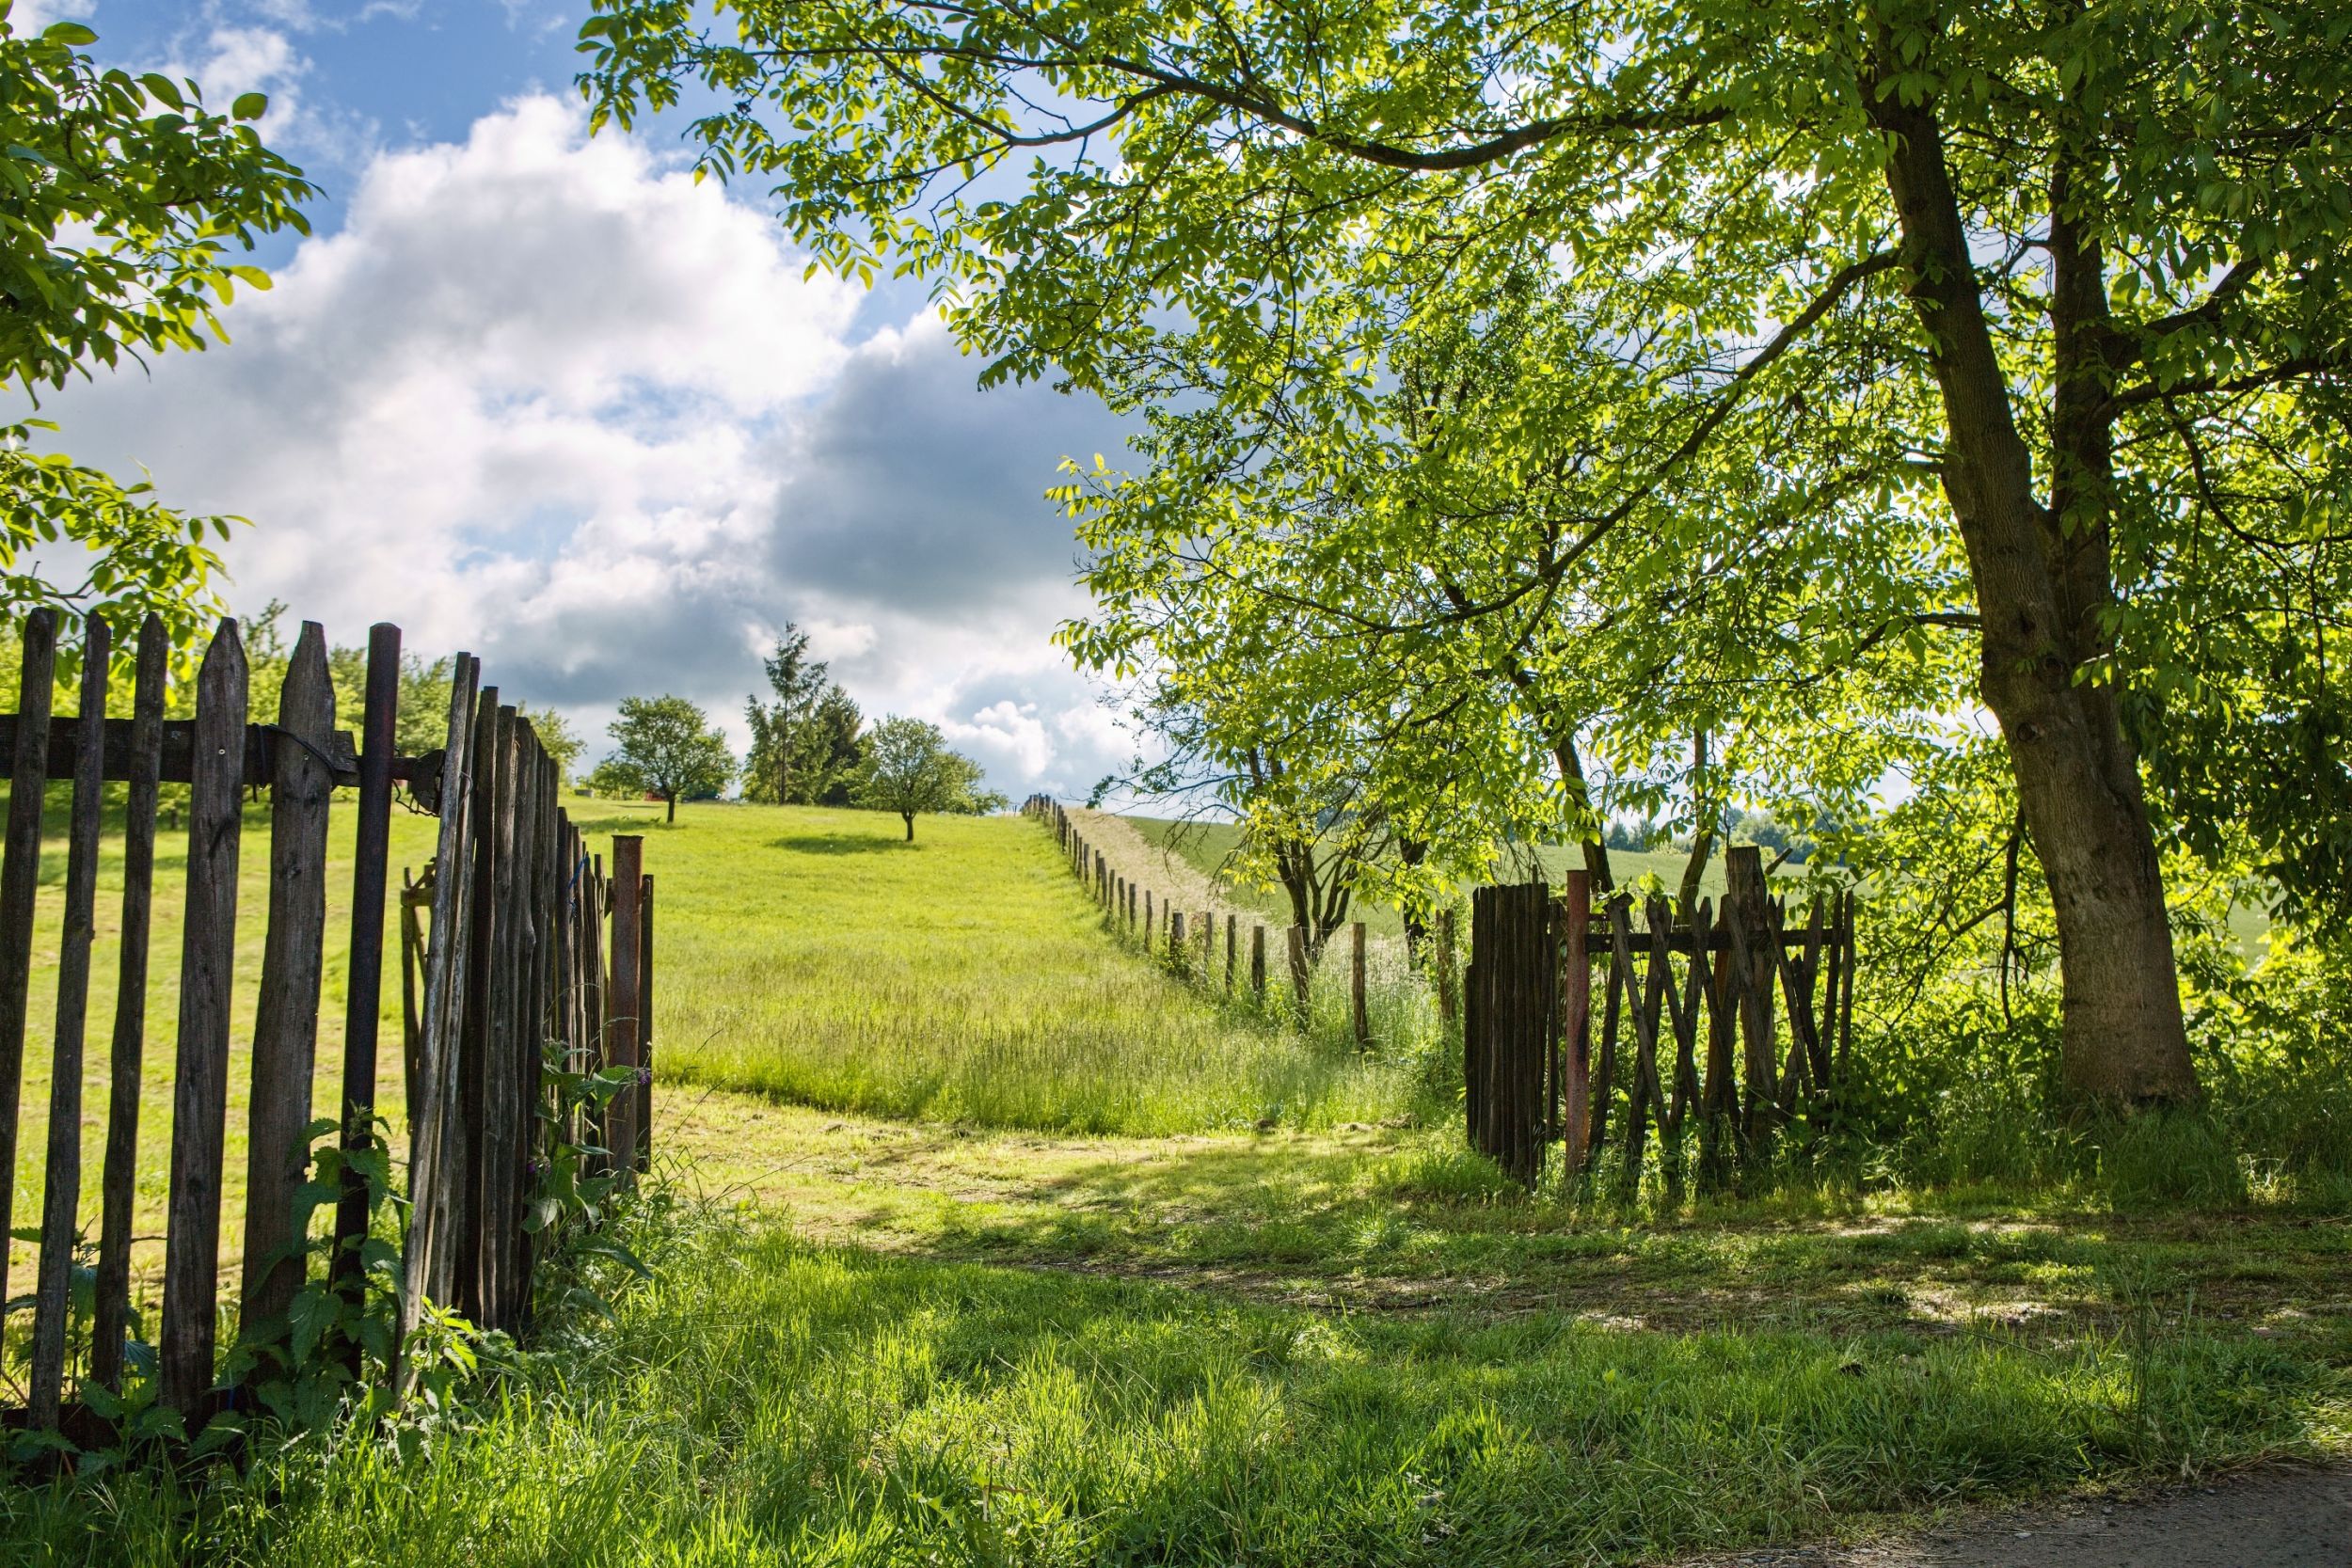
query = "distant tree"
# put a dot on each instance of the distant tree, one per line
(668, 748)
(909, 768)
(831, 750)
(780, 729)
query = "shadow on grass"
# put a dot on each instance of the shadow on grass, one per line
(812, 1395)
(1399, 1230)
(839, 844)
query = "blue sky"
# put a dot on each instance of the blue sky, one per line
(539, 396)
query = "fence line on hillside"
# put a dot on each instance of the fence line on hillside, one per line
(1538, 1069)
(1531, 1076)
(513, 965)
(1190, 948)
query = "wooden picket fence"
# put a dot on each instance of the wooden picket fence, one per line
(1191, 946)
(531, 947)
(1728, 975)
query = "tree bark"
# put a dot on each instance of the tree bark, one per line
(910, 818)
(672, 799)
(2039, 595)
(1703, 814)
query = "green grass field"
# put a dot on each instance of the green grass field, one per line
(997, 1244)
(811, 954)
(819, 957)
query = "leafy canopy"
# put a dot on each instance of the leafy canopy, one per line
(124, 201)
(1248, 220)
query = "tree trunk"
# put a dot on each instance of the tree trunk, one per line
(672, 799)
(1702, 814)
(910, 819)
(2077, 773)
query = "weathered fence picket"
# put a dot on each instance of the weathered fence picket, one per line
(118, 1178)
(509, 966)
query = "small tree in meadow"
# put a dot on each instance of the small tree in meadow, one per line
(909, 768)
(667, 748)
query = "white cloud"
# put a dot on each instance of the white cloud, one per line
(27, 17)
(548, 400)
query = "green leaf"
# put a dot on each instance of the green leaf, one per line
(250, 106)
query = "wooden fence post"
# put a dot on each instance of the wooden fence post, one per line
(1257, 964)
(117, 1182)
(621, 1015)
(645, 1026)
(1356, 1015)
(1176, 941)
(1299, 975)
(1232, 927)
(20, 881)
(493, 724)
(363, 986)
(207, 962)
(285, 1028)
(1576, 1017)
(61, 1176)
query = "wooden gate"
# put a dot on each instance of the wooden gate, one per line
(1691, 1020)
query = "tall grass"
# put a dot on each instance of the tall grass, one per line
(766, 1402)
(818, 955)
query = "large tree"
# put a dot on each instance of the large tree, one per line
(666, 746)
(2088, 253)
(123, 203)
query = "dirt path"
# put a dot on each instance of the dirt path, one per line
(2271, 1518)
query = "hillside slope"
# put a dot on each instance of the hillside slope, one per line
(817, 956)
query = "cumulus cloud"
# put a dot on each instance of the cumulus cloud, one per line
(546, 399)
(27, 17)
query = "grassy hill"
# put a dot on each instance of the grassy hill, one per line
(817, 956)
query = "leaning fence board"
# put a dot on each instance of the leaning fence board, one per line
(61, 1176)
(117, 1181)
(20, 880)
(207, 960)
(364, 969)
(435, 1153)
(499, 937)
(285, 1034)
